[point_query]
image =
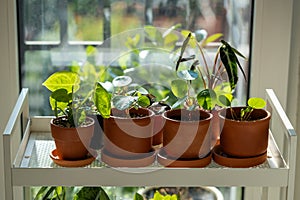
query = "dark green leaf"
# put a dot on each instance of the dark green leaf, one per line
(183, 47)
(206, 98)
(61, 95)
(91, 193)
(137, 196)
(231, 63)
(224, 100)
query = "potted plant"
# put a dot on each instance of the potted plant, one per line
(91, 73)
(71, 128)
(244, 134)
(186, 141)
(200, 90)
(218, 79)
(128, 129)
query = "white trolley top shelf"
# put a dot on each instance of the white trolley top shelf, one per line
(31, 165)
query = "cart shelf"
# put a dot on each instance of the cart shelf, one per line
(31, 165)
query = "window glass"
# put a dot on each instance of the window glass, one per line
(41, 20)
(57, 35)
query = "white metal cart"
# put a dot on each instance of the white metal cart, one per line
(27, 160)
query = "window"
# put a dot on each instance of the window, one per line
(55, 33)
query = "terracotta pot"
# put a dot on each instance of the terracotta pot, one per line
(158, 130)
(184, 137)
(128, 137)
(72, 143)
(244, 138)
(215, 127)
(97, 139)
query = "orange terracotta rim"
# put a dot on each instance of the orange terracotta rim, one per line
(71, 163)
(166, 161)
(236, 162)
(143, 160)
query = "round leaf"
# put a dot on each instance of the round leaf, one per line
(121, 81)
(256, 103)
(179, 88)
(123, 102)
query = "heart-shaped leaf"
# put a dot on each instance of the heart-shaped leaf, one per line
(67, 80)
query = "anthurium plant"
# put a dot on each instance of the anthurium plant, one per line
(211, 88)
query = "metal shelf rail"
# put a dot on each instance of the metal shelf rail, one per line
(27, 161)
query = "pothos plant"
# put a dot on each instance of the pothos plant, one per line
(120, 94)
(63, 86)
(215, 90)
(68, 105)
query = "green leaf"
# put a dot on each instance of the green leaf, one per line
(179, 88)
(206, 99)
(153, 34)
(143, 101)
(170, 40)
(137, 196)
(231, 63)
(88, 193)
(225, 100)
(64, 79)
(123, 102)
(61, 95)
(90, 50)
(121, 81)
(212, 38)
(187, 75)
(102, 100)
(54, 103)
(256, 103)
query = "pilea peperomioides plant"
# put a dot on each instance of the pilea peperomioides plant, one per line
(245, 113)
(121, 95)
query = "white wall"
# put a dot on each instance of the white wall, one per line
(9, 85)
(293, 106)
(271, 47)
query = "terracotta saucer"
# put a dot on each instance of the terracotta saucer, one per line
(229, 161)
(143, 160)
(166, 161)
(71, 163)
